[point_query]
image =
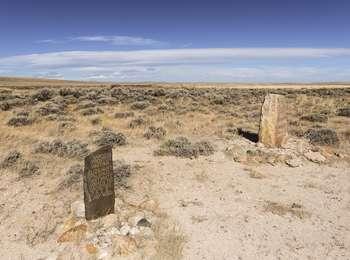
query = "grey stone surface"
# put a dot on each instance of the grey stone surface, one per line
(99, 193)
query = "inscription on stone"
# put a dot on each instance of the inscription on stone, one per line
(99, 193)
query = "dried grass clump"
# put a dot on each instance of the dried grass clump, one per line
(91, 111)
(121, 171)
(11, 159)
(322, 136)
(51, 108)
(15, 160)
(20, 121)
(123, 114)
(108, 137)
(140, 105)
(182, 147)
(155, 132)
(344, 112)
(74, 148)
(279, 209)
(137, 122)
(43, 95)
(171, 241)
(320, 118)
(64, 92)
(72, 176)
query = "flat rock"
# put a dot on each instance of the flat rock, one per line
(315, 157)
(294, 162)
(78, 209)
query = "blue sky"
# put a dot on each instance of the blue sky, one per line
(154, 40)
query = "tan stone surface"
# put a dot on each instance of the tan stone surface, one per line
(273, 125)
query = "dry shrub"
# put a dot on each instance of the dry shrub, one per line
(51, 108)
(72, 176)
(170, 239)
(43, 95)
(15, 160)
(91, 111)
(137, 122)
(108, 137)
(11, 159)
(123, 114)
(322, 136)
(182, 147)
(20, 121)
(344, 112)
(320, 118)
(140, 105)
(121, 171)
(279, 209)
(74, 148)
(155, 132)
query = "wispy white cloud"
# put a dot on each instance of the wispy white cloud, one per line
(49, 75)
(187, 64)
(164, 57)
(48, 41)
(120, 40)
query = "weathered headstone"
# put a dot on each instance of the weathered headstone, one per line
(273, 124)
(99, 193)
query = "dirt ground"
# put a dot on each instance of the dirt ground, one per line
(189, 184)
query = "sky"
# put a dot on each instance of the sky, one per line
(176, 41)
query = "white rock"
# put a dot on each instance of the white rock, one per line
(125, 229)
(295, 162)
(78, 209)
(114, 231)
(134, 231)
(103, 254)
(110, 220)
(315, 157)
(136, 218)
(146, 232)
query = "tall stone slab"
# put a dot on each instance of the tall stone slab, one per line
(98, 178)
(273, 123)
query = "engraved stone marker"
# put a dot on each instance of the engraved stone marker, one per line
(99, 194)
(273, 124)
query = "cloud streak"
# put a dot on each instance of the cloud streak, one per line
(164, 57)
(120, 40)
(210, 64)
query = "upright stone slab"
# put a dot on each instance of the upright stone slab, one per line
(273, 124)
(99, 193)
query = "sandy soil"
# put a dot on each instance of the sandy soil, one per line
(227, 214)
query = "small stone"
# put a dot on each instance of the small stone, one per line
(124, 245)
(146, 232)
(294, 162)
(134, 231)
(110, 221)
(76, 234)
(125, 229)
(78, 209)
(315, 157)
(136, 218)
(91, 248)
(149, 205)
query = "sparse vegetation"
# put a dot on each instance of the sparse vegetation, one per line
(322, 137)
(155, 132)
(182, 147)
(108, 137)
(53, 128)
